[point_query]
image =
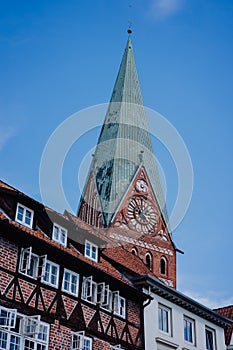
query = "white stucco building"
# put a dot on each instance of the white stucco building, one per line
(175, 321)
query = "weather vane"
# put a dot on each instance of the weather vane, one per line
(129, 21)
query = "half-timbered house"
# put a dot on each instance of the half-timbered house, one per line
(57, 289)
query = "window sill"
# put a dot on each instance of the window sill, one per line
(168, 343)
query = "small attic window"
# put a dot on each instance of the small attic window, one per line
(91, 251)
(59, 234)
(24, 215)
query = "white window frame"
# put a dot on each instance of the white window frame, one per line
(94, 292)
(119, 304)
(81, 338)
(89, 290)
(62, 231)
(89, 252)
(161, 326)
(27, 258)
(23, 221)
(69, 290)
(51, 264)
(10, 317)
(104, 295)
(213, 333)
(30, 325)
(17, 334)
(187, 320)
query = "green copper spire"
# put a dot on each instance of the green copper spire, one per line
(124, 143)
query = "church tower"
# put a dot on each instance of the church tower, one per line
(123, 193)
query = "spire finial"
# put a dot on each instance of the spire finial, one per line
(129, 31)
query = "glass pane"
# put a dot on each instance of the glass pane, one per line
(209, 340)
(47, 270)
(54, 275)
(14, 343)
(56, 232)
(160, 319)
(3, 340)
(3, 317)
(86, 344)
(63, 236)
(165, 321)
(88, 249)
(74, 284)
(29, 344)
(20, 213)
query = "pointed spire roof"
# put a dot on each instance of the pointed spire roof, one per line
(127, 88)
(124, 143)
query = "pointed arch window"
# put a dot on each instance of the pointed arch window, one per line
(149, 261)
(163, 266)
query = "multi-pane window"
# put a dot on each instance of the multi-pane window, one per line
(100, 293)
(51, 273)
(19, 332)
(70, 282)
(24, 215)
(7, 317)
(189, 330)
(104, 296)
(81, 342)
(118, 304)
(210, 339)
(59, 234)
(89, 290)
(164, 318)
(91, 251)
(32, 264)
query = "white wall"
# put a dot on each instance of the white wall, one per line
(177, 337)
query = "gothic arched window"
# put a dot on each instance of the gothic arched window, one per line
(163, 265)
(149, 261)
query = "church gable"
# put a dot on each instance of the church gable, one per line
(139, 210)
(139, 225)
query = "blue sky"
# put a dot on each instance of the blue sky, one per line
(58, 57)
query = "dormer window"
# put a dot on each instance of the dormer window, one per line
(59, 234)
(91, 251)
(24, 215)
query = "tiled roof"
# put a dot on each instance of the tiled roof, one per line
(4, 185)
(227, 311)
(123, 257)
(103, 265)
(8, 187)
(77, 221)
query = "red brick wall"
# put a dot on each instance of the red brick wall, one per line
(8, 254)
(60, 337)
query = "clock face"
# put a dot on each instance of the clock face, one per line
(141, 215)
(141, 186)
